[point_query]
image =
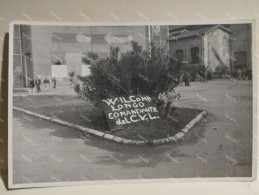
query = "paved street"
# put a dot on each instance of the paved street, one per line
(221, 145)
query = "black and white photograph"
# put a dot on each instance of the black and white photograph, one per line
(94, 103)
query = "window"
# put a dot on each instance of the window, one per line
(58, 58)
(179, 54)
(87, 56)
(195, 58)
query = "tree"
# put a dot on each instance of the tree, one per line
(151, 72)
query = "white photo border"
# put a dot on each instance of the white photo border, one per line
(11, 185)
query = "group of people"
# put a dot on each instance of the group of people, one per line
(202, 76)
(37, 83)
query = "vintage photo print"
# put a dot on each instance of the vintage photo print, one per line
(93, 103)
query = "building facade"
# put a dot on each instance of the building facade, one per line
(41, 50)
(241, 46)
(201, 45)
(48, 50)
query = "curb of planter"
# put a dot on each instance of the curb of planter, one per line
(177, 137)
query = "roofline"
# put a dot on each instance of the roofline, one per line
(197, 35)
(217, 26)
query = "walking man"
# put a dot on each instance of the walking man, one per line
(239, 74)
(187, 78)
(46, 84)
(181, 80)
(54, 81)
(38, 83)
(205, 76)
(32, 86)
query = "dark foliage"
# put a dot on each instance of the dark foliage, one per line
(151, 72)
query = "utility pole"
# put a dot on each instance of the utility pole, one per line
(25, 69)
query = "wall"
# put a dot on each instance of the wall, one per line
(46, 39)
(219, 40)
(186, 45)
(17, 58)
(242, 33)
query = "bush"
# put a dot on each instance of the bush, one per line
(151, 72)
(234, 74)
(220, 71)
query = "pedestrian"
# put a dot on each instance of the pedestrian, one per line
(185, 79)
(209, 74)
(46, 84)
(248, 74)
(188, 77)
(239, 74)
(181, 80)
(54, 81)
(32, 86)
(38, 83)
(205, 76)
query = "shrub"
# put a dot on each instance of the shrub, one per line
(151, 72)
(234, 74)
(220, 71)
